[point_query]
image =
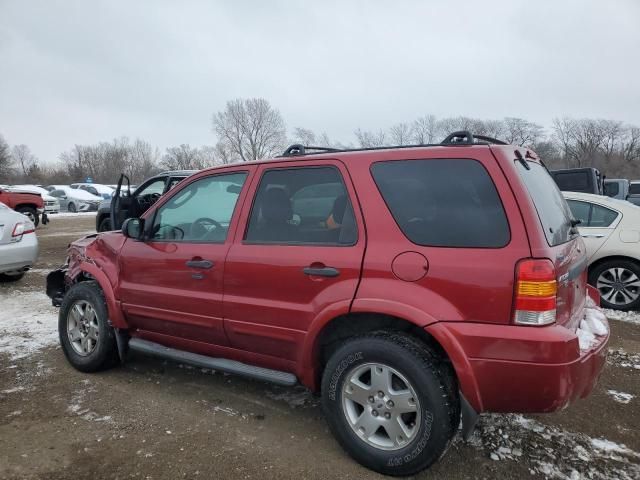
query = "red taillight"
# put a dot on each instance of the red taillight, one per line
(19, 230)
(535, 292)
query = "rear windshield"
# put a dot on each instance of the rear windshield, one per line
(443, 202)
(552, 208)
(573, 182)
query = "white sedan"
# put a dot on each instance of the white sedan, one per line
(75, 200)
(611, 231)
(18, 244)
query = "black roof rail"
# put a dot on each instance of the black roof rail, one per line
(299, 149)
(465, 137)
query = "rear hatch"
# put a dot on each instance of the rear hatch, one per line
(564, 246)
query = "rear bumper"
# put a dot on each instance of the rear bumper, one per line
(18, 256)
(524, 369)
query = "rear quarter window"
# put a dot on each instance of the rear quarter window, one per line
(551, 206)
(443, 202)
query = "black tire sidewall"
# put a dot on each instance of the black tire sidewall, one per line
(71, 207)
(435, 430)
(104, 354)
(31, 213)
(5, 277)
(105, 225)
(626, 264)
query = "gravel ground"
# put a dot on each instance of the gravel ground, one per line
(151, 419)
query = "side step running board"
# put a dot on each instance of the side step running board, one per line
(220, 364)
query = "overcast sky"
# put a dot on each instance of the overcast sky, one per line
(87, 71)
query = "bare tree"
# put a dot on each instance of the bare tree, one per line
(426, 130)
(400, 134)
(6, 161)
(368, 139)
(521, 132)
(185, 157)
(304, 136)
(23, 159)
(250, 128)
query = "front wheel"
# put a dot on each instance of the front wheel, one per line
(87, 339)
(72, 207)
(390, 402)
(618, 282)
(105, 225)
(31, 213)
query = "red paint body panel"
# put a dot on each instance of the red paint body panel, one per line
(14, 200)
(256, 305)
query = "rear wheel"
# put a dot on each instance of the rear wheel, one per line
(72, 207)
(31, 213)
(87, 339)
(390, 402)
(618, 282)
(11, 277)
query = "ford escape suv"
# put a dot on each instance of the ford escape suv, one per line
(412, 287)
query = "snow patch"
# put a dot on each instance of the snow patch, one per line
(553, 452)
(630, 317)
(28, 323)
(13, 390)
(620, 358)
(620, 397)
(592, 326)
(70, 214)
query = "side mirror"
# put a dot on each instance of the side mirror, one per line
(133, 228)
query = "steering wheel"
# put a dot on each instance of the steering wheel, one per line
(202, 227)
(145, 201)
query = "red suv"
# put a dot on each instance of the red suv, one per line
(412, 287)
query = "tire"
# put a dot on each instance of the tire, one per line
(31, 213)
(621, 274)
(96, 338)
(105, 225)
(416, 370)
(5, 277)
(72, 207)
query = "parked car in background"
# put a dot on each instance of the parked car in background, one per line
(51, 204)
(104, 191)
(459, 304)
(76, 200)
(27, 203)
(611, 231)
(585, 180)
(634, 192)
(617, 188)
(134, 201)
(18, 244)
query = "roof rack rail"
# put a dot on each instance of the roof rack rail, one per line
(299, 149)
(465, 137)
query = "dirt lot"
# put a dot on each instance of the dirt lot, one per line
(157, 420)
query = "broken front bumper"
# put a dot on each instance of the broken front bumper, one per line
(56, 285)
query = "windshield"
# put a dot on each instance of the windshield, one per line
(551, 206)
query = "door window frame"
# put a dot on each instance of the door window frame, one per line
(151, 214)
(252, 193)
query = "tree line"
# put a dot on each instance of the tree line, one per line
(251, 129)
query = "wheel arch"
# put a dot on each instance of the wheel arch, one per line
(328, 338)
(87, 272)
(26, 205)
(610, 258)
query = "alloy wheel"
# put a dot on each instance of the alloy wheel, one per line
(82, 328)
(619, 286)
(381, 406)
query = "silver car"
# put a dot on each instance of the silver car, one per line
(18, 244)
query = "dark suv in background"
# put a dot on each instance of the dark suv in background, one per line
(127, 204)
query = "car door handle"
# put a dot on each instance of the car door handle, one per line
(199, 264)
(321, 272)
(592, 235)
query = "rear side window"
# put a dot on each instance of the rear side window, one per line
(611, 189)
(592, 215)
(552, 209)
(634, 189)
(308, 205)
(443, 202)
